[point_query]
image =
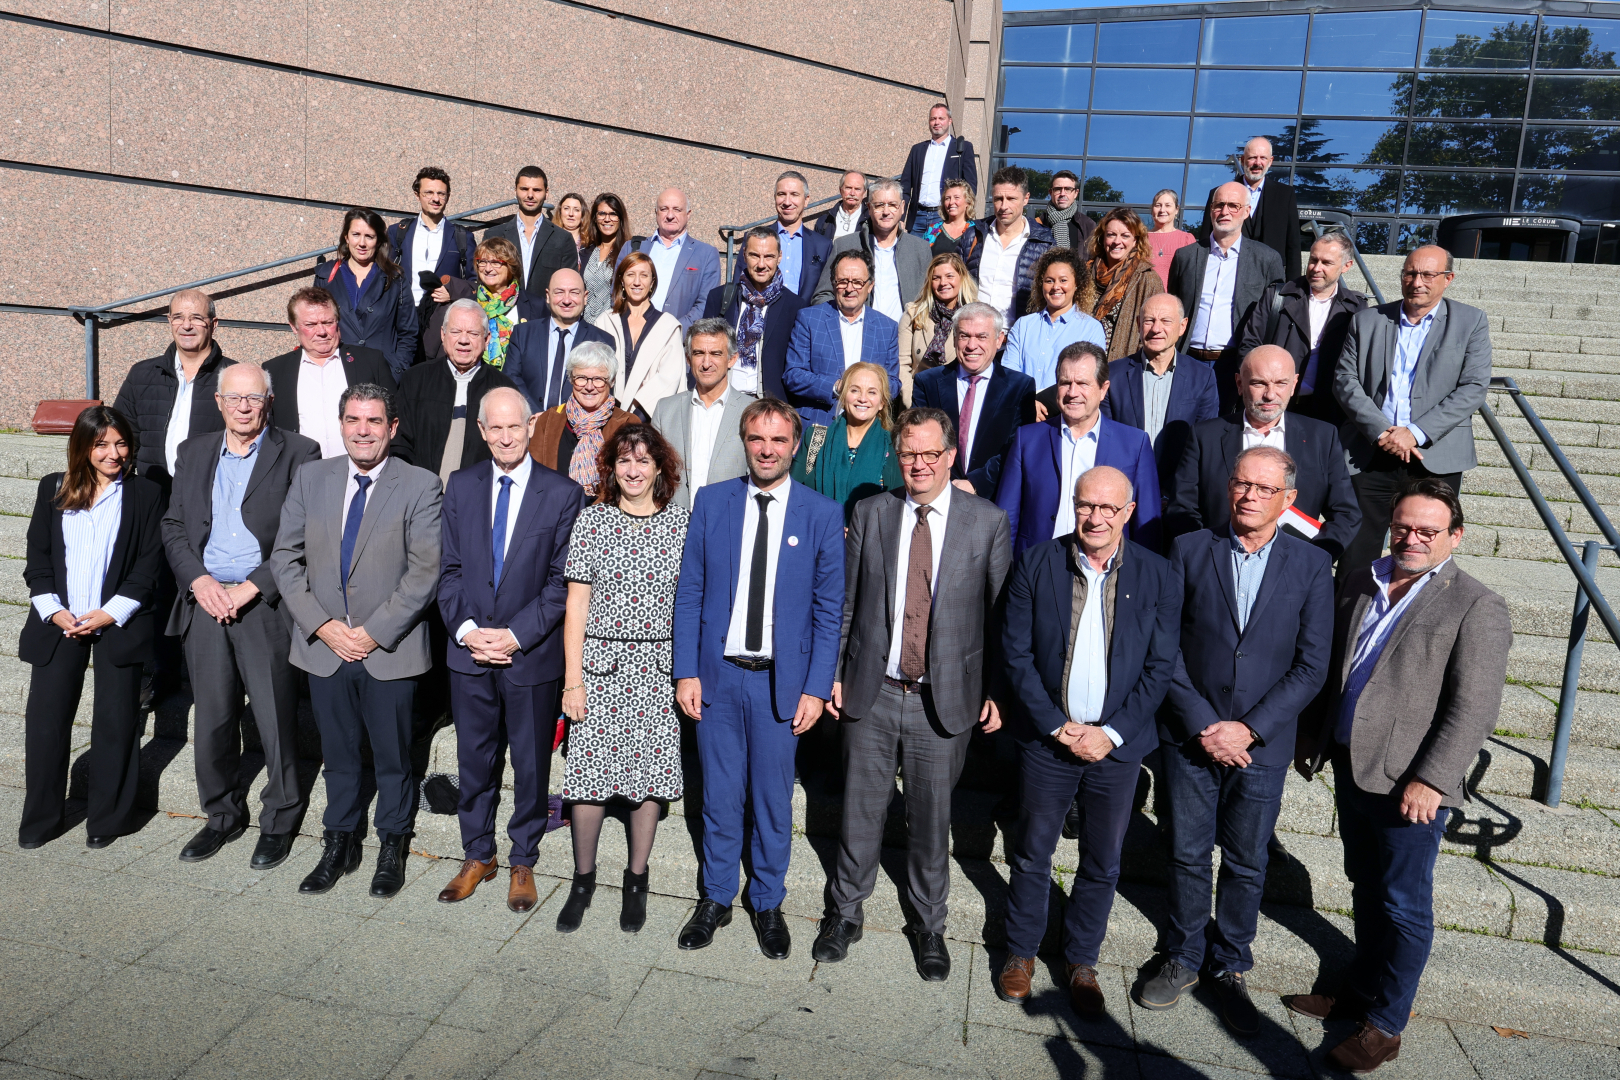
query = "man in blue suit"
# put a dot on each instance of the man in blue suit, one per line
(505, 528)
(1160, 390)
(1089, 645)
(1045, 460)
(688, 269)
(758, 612)
(828, 338)
(538, 347)
(1256, 633)
(803, 250)
(424, 243)
(985, 401)
(758, 292)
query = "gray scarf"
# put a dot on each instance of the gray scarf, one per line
(1058, 221)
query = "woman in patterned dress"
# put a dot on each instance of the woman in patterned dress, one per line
(624, 740)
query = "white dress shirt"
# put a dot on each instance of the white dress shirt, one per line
(850, 330)
(426, 243)
(1318, 315)
(845, 223)
(88, 539)
(971, 423)
(1078, 456)
(1212, 322)
(737, 630)
(320, 387)
(526, 244)
(180, 416)
(933, 167)
(998, 267)
(886, 280)
(1274, 437)
(704, 426)
(350, 487)
(1088, 675)
(939, 515)
(666, 257)
(514, 501)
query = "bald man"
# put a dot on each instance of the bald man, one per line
(539, 347)
(1273, 210)
(1219, 282)
(687, 267)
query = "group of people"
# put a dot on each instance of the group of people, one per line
(740, 508)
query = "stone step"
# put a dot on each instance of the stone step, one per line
(1539, 661)
(1552, 409)
(1532, 712)
(1585, 329)
(30, 456)
(1540, 596)
(1550, 360)
(17, 494)
(1589, 461)
(1566, 433)
(1501, 480)
(1527, 545)
(1588, 385)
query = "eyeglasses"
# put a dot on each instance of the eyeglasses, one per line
(1063, 189)
(187, 320)
(489, 264)
(927, 457)
(1424, 276)
(607, 213)
(590, 382)
(1401, 532)
(1243, 487)
(849, 283)
(1107, 511)
(1232, 206)
(233, 400)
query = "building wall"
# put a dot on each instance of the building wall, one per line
(151, 142)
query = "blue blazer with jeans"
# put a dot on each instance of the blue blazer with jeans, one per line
(1032, 472)
(1192, 400)
(1009, 402)
(529, 351)
(815, 357)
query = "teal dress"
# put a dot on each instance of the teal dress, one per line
(844, 475)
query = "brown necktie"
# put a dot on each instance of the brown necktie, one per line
(919, 598)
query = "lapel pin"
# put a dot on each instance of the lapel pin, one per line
(793, 541)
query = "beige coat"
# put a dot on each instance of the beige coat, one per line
(660, 364)
(916, 331)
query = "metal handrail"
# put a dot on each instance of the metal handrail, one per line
(729, 232)
(1355, 252)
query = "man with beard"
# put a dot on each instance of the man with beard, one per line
(1273, 211)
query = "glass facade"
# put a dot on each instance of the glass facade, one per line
(1399, 116)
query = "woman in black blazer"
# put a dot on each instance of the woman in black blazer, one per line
(94, 553)
(375, 309)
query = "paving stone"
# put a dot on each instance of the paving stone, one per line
(292, 1039)
(377, 968)
(1193, 1032)
(1021, 1055)
(1047, 1012)
(1428, 1050)
(1535, 1058)
(250, 942)
(29, 998)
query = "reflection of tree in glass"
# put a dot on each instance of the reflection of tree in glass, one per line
(1571, 47)
(1097, 189)
(1040, 180)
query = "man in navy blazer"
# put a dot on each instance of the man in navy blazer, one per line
(1256, 633)
(1160, 390)
(995, 399)
(538, 347)
(828, 338)
(1045, 460)
(688, 269)
(759, 373)
(454, 242)
(930, 163)
(802, 250)
(505, 529)
(758, 612)
(1089, 647)
(1266, 381)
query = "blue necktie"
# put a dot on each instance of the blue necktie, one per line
(498, 533)
(351, 531)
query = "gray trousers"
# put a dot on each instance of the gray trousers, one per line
(900, 733)
(249, 653)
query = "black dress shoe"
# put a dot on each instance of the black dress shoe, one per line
(706, 919)
(933, 959)
(633, 909)
(30, 845)
(340, 854)
(390, 875)
(1071, 820)
(772, 931)
(834, 939)
(271, 850)
(208, 841)
(1237, 1008)
(98, 842)
(579, 899)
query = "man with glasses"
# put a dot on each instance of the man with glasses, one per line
(1410, 378)
(1403, 719)
(925, 566)
(229, 488)
(829, 337)
(1071, 227)
(899, 259)
(1256, 630)
(438, 402)
(1273, 217)
(930, 163)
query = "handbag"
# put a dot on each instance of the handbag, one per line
(58, 417)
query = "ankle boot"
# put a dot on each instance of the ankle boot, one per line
(579, 898)
(633, 915)
(390, 875)
(340, 854)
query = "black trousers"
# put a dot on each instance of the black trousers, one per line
(344, 702)
(1376, 487)
(114, 756)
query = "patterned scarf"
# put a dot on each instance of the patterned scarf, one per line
(751, 331)
(1058, 221)
(501, 309)
(934, 355)
(587, 428)
(1112, 281)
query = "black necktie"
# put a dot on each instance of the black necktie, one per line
(554, 393)
(753, 640)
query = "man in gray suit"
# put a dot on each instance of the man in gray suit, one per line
(357, 561)
(899, 259)
(703, 426)
(1410, 377)
(1420, 653)
(925, 568)
(225, 505)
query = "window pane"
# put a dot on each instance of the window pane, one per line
(1463, 39)
(1578, 43)
(1357, 93)
(1362, 191)
(1040, 172)
(1262, 40)
(1414, 236)
(1475, 145)
(1137, 136)
(1042, 133)
(1578, 196)
(1046, 88)
(1580, 148)
(1245, 91)
(1049, 44)
(1372, 237)
(1575, 97)
(1365, 39)
(1480, 96)
(1217, 137)
(1455, 192)
(1143, 89)
(1159, 42)
(1202, 179)
(1352, 142)
(1129, 181)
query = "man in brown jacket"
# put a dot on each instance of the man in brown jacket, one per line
(1419, 658)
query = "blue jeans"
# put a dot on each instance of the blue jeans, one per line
(1390, 863)
(927, 218)
(1236, 808)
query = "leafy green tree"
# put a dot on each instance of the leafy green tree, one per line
(1098, 190)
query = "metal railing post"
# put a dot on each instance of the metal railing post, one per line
(92, 356)
(1572, 679)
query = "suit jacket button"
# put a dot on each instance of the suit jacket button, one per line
(1226, 689)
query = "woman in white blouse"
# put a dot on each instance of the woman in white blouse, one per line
(94, 551)
(650, 343)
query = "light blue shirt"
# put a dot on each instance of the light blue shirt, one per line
(1212, 323)
(666, 258)
(1409, 339)
(792, 264)
(232, 552)
(1035, 341)
(88, 537)
(1248, 571)
(1254, 195)
(1156, 397)
(1376, 627)
(1088, 674)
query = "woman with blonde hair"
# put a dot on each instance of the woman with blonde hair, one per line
(1166, 237)
(1121, 277)
(569, 216)
(648, 342)
(853, 457)
(925, 328)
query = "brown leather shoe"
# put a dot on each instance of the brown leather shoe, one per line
(472, 874)
(1364, 1051)
(1085, 996)
(1327, 1006)
(521, 895)
(1012, 984)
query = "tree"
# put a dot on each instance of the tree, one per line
(1098, 190)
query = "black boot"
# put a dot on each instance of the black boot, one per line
(633, 915)
(390, 875)
(340, 854)
(579, 898)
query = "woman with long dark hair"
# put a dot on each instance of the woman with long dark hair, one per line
(375, 309)
(648, 342)
(609, 225)
(94, 552)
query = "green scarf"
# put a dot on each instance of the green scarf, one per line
(873, 470)
(501, 310)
